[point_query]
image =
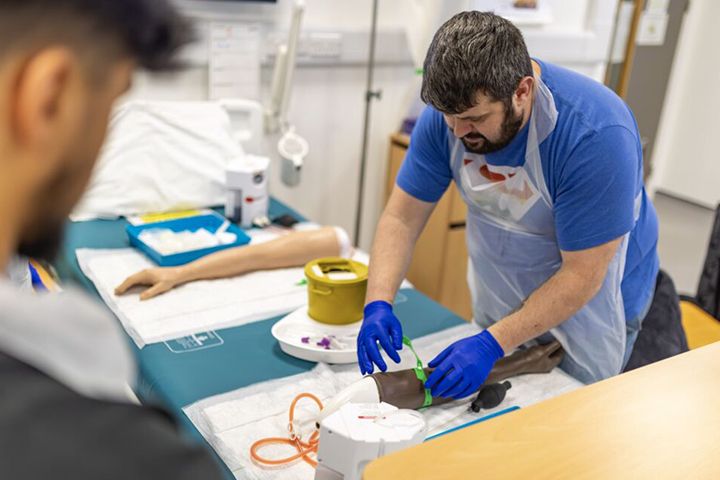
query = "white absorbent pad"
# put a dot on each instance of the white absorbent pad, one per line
(233, 421)
(193, 307)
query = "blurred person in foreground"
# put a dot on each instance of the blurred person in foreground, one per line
(64, 364)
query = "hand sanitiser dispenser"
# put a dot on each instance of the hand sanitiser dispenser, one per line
(247, 191)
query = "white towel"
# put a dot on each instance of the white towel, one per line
(233, 421)
(193, 307)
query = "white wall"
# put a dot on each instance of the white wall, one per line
(328, 101)
(327, 105)
(687, 157)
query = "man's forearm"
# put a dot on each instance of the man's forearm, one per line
(390, 258)
(555, 301)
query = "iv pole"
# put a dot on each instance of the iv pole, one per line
(370, 94)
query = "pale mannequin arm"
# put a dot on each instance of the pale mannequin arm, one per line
(291, 250)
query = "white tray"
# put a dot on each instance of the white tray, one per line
(290, 330)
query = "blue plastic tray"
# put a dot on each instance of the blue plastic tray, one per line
(209, 222)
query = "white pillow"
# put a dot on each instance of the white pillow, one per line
(161, 156)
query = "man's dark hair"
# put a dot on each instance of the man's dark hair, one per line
(474, 52)
(149, 31)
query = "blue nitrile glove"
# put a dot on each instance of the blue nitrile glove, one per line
(379, 325)
(462, 367)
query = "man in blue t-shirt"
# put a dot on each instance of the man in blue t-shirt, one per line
(560, 232)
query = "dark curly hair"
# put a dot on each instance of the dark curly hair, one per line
(474, 52)
(149, 31)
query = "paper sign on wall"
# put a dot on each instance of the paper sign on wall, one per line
(234, 67)
(652, 28)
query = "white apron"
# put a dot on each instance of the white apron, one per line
(513, 250)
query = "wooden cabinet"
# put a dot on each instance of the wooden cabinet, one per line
(439, 264)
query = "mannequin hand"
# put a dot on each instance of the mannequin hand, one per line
(160, 280)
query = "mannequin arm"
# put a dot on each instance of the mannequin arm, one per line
(291, 250)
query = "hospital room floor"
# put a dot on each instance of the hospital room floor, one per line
(684, 235)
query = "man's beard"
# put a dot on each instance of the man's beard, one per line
(510, 127)
(42, 239)
(43, 246)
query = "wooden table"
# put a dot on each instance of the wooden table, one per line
(657, 422)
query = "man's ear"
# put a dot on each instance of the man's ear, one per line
(524, 90)
(42, 89)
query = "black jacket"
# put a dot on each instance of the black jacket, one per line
(708, 294)
(49, 431)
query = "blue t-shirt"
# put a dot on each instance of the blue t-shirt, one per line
(592, 164)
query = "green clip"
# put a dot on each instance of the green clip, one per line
(419, 372)
(301, 282)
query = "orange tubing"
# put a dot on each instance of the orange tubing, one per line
(304, 448)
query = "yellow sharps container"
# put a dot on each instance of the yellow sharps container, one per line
(336, 290)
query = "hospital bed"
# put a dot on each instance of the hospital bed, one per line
(166, 154)
(179, 372)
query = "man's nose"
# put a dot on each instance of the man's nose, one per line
(461, 128)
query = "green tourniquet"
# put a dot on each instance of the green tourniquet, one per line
(420, 372)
